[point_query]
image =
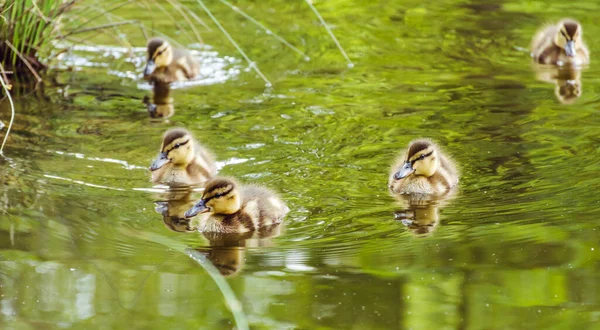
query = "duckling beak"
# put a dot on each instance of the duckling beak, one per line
(149, 68)
(405, 171)
(570, 48)
(160, 161)
(200, 207)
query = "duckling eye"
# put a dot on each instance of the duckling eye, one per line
(180, 144)
(218, 195)
(421, 157)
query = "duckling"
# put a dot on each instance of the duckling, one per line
(166, 64)
(231, 208)
(560, 44)
(182, 161)
(422, 169)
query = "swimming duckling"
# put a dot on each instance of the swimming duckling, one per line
(166, 64)
(560, 44)
(422, 169)
(231, 208)
(182, 161)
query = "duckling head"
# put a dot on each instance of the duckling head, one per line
(568, 36)
(177, 149)
(421, 159)
(160, 54)
(221, 196)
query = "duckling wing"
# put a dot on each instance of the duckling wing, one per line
(186, 63)
(206, 157)
(449, 171)
(268, 209)
(542, 46)
(448, 165)
(584, 53)
(542, 36)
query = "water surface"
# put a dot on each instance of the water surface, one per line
(516, 247)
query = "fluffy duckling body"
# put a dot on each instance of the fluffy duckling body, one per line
(182, 161)
(560, 44)
(422, 169)
(166, 64)
(227, 207)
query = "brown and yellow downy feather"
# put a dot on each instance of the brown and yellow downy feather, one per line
(189, 162)
(422, 169)
(171, 64)
(560, 44)
(227, 207)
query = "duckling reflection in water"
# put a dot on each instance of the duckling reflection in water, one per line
(228, 250)
(166, 64)
(227, 207)
(420, 212)
(162, 103)
(182, 161)
(173, 206)
(560, 44)
(567, 82)
(422, 169)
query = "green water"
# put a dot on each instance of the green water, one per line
(82, 246)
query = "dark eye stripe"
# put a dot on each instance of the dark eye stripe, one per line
(563, 34)
(159, 53)
(217, 195)
(422, 157)
(178, 145)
